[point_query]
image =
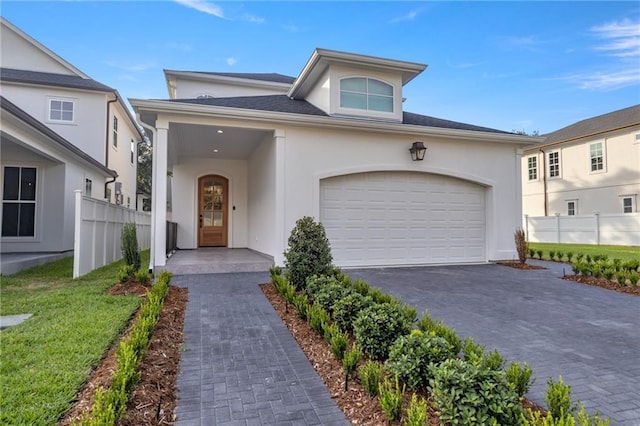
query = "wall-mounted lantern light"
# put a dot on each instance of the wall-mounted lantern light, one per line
(417, 151)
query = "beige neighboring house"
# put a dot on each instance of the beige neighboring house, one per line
(249, 154)
(592, 166)
(61, 131)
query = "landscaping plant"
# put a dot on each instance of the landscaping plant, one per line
(378, 326)
(338, 343)
(558, 398)
(519, 377)
(521, 245)
(349, 362)
(308, 252)
(391, 396)
(129, 246)
(428, 325)
(371, 374)
(417, 414)
(347, 308)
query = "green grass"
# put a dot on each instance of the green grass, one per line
(614, 252)
(46, 360)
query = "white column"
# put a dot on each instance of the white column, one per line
(159, 199)
(526, 226)
(281, 236)
(597, 217)
(76, 233)
(557, 227)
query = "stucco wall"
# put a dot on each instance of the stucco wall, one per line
(262, 198)
(120, 156)
(187, 89)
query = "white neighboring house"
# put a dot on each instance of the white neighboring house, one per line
(252, 153)
(61, 131)
(587, 167)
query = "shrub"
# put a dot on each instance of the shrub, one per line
(559, 255)
(472, 351)
(632, 265)
(308, 253)
(315, 283)
(539, 253)
(569, 256)
(339, 342)
(124, 273)
(377, 327)
(411, 355)
(143, 276)
(301, 303)
(588, 258)
(428, 325)
(519, 377)
(621, 277)
(327, 295)
(129, 246)
(596, 270)
(417, 414)
(275, 271)
(558, 398)
(521, 245)
(535, 418)
(318, 318)
(579, 257)
(532, 252)
(346, 310)
(391, 396)
(349, 363)
(608, 273)
(370, 376)
(361, 287)
(469, 394)
(634, 278)
(552, 254)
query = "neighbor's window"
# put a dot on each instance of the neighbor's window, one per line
(597, 156)
(61, 110)
(366, 93)
(133, 151)
(627, 205)
(533, 168)
(571, 208)
(554, 164)
(88, 184)
(115, 131)
(19, 202)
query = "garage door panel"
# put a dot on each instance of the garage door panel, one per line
(395, 218)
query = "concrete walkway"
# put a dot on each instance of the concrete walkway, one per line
(590, 336)
(241, 366)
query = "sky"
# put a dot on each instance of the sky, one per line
(531, 66)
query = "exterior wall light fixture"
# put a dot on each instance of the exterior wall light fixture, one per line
(417, 151)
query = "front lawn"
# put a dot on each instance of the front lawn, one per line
(613, 252)
(47, 359)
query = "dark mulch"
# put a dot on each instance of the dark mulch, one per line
(154, 399)
(518, 265)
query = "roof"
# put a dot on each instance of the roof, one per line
(32, 122)
(51, 79)
(282, 103)
(272, 77)
(615, 120)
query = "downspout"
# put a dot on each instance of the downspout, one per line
(544, 180)
(106, 139)
(153, 201)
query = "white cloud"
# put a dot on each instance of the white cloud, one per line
(254, 19)
(203, 6)
(131, 67)
(410, 16)
(620, 38)
(231, 61)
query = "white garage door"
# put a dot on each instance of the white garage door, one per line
(403, 218)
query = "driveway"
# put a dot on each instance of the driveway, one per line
(589, 335)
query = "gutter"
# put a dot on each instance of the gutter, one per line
(152, 249)
(106, 140)
(544, 180)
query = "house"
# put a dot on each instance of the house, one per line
(249, 154)
(590, 166)
(61, 131)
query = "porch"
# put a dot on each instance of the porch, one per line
(216, 260)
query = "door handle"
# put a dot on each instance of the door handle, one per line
(200, 221)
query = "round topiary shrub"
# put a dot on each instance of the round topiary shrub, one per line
(378, 326)
(347, 309)
(411, 355)
(326, 296)
(308, 253)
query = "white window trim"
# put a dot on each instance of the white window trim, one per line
(575, 207)
(115, 130)
(634, 205)
(548, 153)
(537, 168)
(74, 101)
(604, 157)
(338, 111)
(132, 153)
(36, 219)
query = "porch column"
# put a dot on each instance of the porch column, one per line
(159, 189)
(281, 236)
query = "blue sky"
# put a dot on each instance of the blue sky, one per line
(507, 65)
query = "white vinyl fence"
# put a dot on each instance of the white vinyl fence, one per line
(608, 229)
(98, 233)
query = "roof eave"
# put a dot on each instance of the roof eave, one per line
(577, 138)
(225, 79)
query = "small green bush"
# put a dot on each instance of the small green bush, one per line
(532, 252)
(371, 374)
(579, 257)
(519, 377)
(539, 253)
(129, 246)
(275, 271)
(621, 277)
(143, 276)
(316, 283)
(338, 343)
(377, 327)
(308, 252)
(301, 303)
(558, 398)
(417, 414)
(608, 273)
(347, 308)
(318, 318)
(391, 396)
(361, 287)
(559, 255)
(428, 325)
(327, 295)
(552, 254)
(634, 277)
(350, 361)
(569, 256)
(124, 273)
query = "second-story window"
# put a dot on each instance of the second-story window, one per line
(61, 110)
(115, 131)
(554, 164)
(366, 93)
(597, 156)
(532, 163)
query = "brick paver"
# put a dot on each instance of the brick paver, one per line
(589, 335)
(241, 366)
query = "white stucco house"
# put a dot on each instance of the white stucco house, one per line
(590, 166)
(249, 154)
(61, 131)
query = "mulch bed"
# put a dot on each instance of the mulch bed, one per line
(518, 265)
(155, 397)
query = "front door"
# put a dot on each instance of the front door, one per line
(212, 211)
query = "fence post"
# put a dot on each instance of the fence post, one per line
(597, 216)
(558, 228)
(76, 233)
(526, 227)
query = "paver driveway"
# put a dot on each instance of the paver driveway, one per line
(589, 335)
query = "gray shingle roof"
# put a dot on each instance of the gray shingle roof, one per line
(596, 125)
(282, 103)
(9, 107)
(51, 79)
(273, 77)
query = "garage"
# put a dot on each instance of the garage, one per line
(403, 218)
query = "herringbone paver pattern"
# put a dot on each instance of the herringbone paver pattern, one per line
(241, 366)
(589, 335)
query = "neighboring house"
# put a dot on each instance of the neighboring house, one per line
(61, 131)
(249, 154)
(587, 167)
